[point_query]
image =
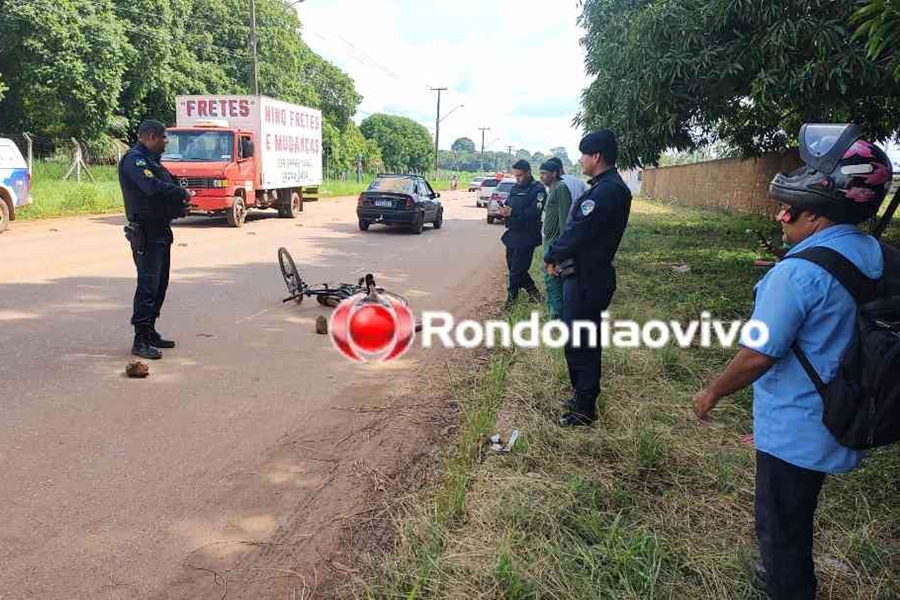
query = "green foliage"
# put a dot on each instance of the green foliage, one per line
(463, 144)
(84, 68)
(685, 73)
(471, 161)
(879, 26)
(64, 61)
(405, 145)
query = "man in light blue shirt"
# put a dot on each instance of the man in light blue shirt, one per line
(843, 183)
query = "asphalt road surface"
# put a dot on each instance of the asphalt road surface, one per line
(109, 486)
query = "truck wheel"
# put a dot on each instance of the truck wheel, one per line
(364, 225)
(419, 225)
(237, 213)
(292, 208)
(4, 216)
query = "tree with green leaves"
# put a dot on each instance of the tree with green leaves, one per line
(683, 74)
(405, 145)
(463, 144)
(64, 62)
(879, 27)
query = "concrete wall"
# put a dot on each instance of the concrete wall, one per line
(730, 184)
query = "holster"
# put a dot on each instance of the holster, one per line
(136, 236)
(566, 268)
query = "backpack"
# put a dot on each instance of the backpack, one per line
(862, 402)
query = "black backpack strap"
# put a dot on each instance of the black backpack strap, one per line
(807, 366)
(861, 288)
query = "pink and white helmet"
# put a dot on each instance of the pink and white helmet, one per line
(845, 177)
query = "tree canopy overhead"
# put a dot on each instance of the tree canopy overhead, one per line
(685, 73)
(84, 67)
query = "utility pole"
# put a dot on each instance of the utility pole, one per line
(253, 53)
(483, 129)
(437, 125)
(509, 160)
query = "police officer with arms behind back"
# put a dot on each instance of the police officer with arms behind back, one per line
(523, 231)
(582, 256)
(152, 200)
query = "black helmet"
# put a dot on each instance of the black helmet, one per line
(845, 177)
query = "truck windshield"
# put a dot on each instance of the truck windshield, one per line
(199, 146)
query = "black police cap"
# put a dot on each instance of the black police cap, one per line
(601, 142)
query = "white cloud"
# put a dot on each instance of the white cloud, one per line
(516, 66)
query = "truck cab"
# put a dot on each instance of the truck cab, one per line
(217, 164)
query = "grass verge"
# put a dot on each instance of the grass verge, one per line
(647, 504)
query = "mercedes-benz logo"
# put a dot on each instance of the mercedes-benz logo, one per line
(183, 182)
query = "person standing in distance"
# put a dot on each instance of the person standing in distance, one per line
(152, 200)
(576, 185)
(583, 257)
(556, 211)
(522, 215)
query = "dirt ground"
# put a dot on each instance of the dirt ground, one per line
(255, 461)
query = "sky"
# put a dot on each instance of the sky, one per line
(516, 66)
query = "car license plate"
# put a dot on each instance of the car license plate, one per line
(384, 203)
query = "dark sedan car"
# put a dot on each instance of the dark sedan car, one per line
(405, 200)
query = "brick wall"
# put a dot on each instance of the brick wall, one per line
(731, 184)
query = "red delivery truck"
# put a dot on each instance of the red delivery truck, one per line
(235, 153)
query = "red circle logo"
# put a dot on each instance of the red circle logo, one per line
(367, 330)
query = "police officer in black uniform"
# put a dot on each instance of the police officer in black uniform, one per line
(152, 200)
(583, 256)
(522, 214)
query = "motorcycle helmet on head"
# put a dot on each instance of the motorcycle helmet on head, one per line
(845, 178)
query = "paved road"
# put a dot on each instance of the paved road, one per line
(108, 484)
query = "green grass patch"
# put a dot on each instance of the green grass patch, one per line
(53, 197)
(648, 503)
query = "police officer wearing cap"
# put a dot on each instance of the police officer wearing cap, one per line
(583, 257)
(522, 214)
(152, 200)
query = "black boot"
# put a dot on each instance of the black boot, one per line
(582, 413)
(534, 295)
(157, 340)
(142, 346)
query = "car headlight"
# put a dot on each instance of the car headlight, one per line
(219, 183)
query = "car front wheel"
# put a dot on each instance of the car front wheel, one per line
(439, 219)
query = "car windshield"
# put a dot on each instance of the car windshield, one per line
(398, 185)
(505, 187)
(489, 183)
(199, 146)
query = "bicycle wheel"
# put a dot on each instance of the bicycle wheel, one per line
(291, 275)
